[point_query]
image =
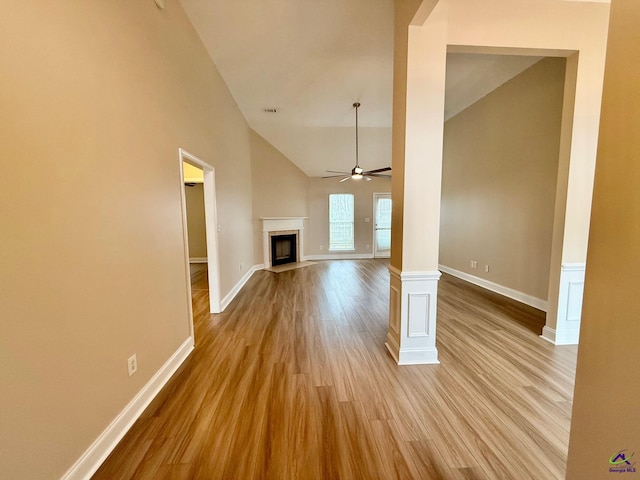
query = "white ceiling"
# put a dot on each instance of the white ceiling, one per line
(311, 60)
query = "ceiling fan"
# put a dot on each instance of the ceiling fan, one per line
(357, 172)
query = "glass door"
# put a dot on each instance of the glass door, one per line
(382, 224)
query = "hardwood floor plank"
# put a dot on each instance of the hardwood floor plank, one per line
(332, 455)
(395, 462)
(293, 381)
(429, 462)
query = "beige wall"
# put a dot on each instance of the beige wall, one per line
(317, 232)
(499, 174)
(606, 406)
(279, 188)
(96, 98)
(196, 221)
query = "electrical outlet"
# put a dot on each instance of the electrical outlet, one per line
(366, 246)
(474, 264)
(321, 247)
(241, 266)
(486, 268)
(366, 219)
(132, 364)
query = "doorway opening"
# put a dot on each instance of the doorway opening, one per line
(210, 234)
(381, 225)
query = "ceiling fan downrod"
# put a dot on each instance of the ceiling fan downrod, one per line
(356, 173)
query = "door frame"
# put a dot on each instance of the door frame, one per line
(376, 195)
(211, 229)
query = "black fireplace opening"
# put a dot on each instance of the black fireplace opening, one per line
(283, 249)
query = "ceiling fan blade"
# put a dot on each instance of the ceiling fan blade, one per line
(345, 179)
(367, 178)
(378, 170)
(334, 176)
(336, 171)
(379, 175)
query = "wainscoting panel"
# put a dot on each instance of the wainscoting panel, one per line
(418, 321)
(567, 327)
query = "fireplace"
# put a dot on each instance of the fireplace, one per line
(283, 249)
(289, 229)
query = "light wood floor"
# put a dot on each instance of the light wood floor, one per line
(293, 381)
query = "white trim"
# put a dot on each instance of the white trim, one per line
(392, 346)
(211, 230)
(414, 356)
(548, 334)
(337, 256)
(416, 276)
(228, 298)
(411, 338)
(198, 260)
(573, 267)
(100, 449)
(567, 322)
(521, 297)
(419, 276)
(375, 254)
(565, 337)
(185, 245)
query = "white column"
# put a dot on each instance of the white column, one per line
(411, 338)
(412, 317)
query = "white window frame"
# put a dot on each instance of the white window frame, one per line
(345, 247)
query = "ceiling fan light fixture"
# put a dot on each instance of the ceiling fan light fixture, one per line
(356, 176)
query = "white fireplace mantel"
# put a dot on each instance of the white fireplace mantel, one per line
(281, 224)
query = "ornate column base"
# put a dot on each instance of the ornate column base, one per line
(411, 338)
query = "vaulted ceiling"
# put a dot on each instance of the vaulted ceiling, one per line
(310, 60)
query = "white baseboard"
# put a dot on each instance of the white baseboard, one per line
(91, 460)
(198, 260)
(238, 286)
(412, 356)
(339, 256)
(548, 334)
(521, 297)
(566, 337)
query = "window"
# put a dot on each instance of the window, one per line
(341, 222)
